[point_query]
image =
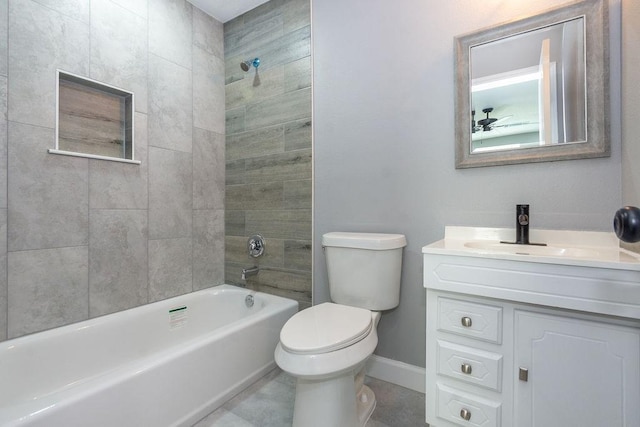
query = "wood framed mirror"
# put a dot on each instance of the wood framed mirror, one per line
(534, 90)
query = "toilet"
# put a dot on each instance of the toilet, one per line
(326, 346)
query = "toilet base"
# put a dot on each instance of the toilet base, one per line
(338, 401)
(366, 405)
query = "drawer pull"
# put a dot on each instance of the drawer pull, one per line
(466, 322)
(465, 414)
(465, 368)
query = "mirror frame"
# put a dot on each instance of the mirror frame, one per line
(598, 144)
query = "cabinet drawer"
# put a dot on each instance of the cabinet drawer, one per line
(471, 365)
(466, 409)
(480, 321)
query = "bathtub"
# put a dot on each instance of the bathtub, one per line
(169, 363)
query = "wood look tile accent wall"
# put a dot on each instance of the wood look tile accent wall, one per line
(268, 147)
(91, 121)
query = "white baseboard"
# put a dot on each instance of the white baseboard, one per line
(399, 373)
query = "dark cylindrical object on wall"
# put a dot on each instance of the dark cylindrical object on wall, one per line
(626, 224)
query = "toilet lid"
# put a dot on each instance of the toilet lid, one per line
(325, 327)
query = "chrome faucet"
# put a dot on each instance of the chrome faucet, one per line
(248, 272)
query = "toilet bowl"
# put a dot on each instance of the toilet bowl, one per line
(327, 346)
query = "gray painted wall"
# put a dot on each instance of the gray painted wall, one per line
(384, 143)
(78, 237)
(630, 103)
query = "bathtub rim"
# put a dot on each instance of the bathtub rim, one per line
(69, 394)
(59, 330)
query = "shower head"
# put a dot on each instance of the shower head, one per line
(249, 62)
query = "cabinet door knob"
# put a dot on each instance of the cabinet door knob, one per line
(465, 368)
(465, 414)
(466, 322)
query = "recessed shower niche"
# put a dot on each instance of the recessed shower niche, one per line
(93, 120)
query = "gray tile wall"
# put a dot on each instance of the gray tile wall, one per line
(81, 238)
(268, 147)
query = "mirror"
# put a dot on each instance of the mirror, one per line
(534, 90)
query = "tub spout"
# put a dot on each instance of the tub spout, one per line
(248, 272)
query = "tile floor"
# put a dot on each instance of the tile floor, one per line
(269, 403)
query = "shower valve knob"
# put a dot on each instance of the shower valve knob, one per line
(255, 246)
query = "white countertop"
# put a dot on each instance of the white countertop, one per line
(565, 247)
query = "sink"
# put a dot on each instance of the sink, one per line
(577, 270)
(554, 251)
(566, 312)
(562, 246)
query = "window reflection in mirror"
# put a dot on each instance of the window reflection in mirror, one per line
(529, 90)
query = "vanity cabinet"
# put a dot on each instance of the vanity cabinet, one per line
(531, 339)
(497, 363)
(580, 372)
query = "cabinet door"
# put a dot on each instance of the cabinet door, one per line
(580, 373)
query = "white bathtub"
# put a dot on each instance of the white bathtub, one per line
(155, 365)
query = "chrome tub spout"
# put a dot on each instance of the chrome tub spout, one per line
(248, 272)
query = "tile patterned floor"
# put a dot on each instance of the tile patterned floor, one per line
(269, 403)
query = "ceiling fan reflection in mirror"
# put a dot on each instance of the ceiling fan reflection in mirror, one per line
(488, 123)
(504, 124)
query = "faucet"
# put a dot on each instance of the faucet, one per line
(522, 227)
(248, 272)
(522, 224)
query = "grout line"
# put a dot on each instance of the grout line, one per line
(6, 230)
(193, 148)
(148, 113)
(89, 168)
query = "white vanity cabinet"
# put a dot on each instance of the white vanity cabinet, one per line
(580, 372)
(465, 361)
(525, 366)
(518, 341)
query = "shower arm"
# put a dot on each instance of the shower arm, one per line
(245, 65)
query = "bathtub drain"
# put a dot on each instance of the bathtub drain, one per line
(249, 301)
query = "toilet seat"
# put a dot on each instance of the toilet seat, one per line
(325, 328)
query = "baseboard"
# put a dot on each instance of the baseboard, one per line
(399, 373)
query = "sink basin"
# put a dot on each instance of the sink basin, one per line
(563, 246)
(553, 251)
(577, 270)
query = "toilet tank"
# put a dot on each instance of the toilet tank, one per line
(364, 268)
